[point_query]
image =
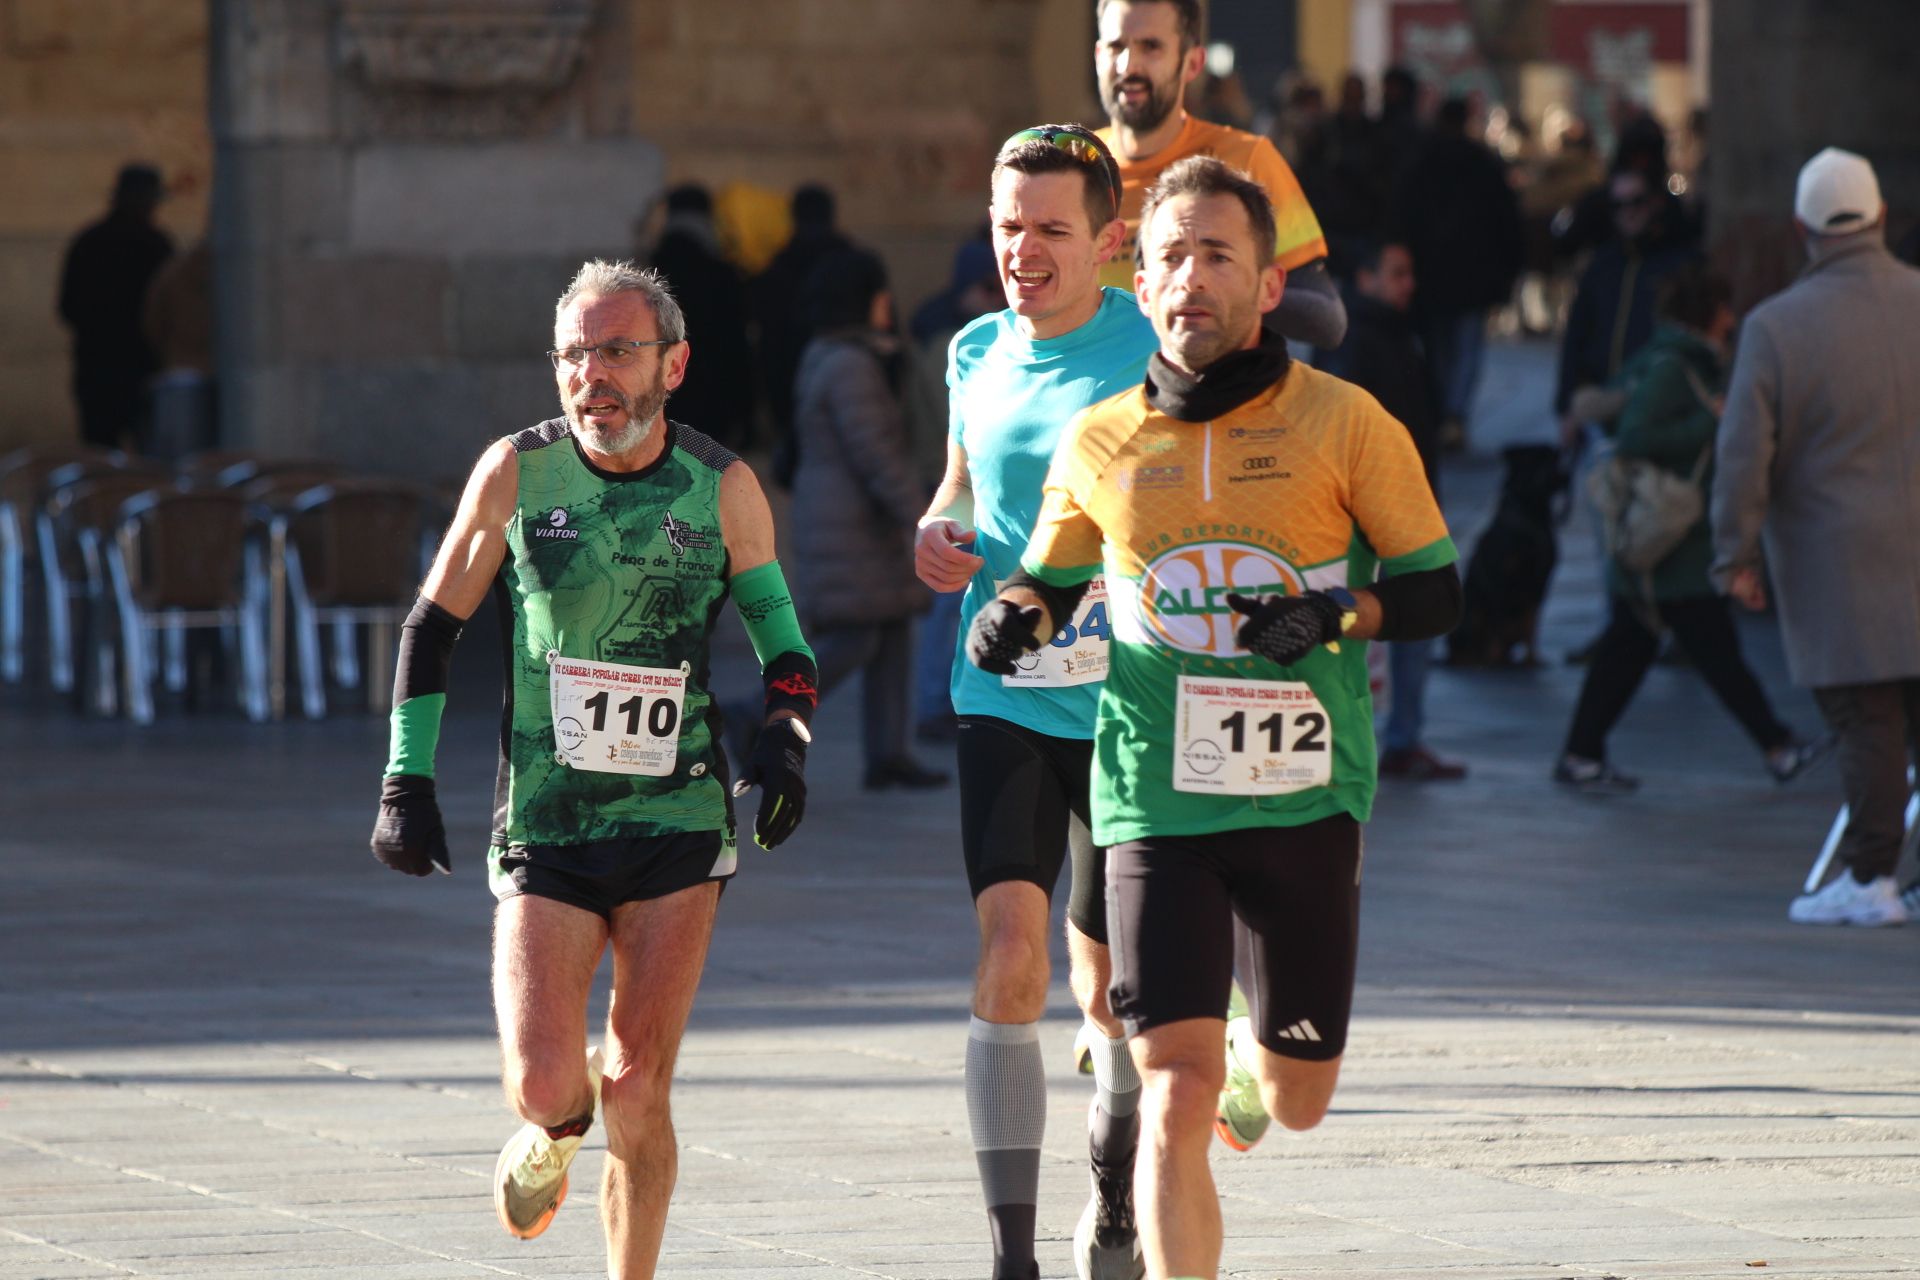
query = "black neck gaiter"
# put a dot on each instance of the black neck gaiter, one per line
(1222, 386)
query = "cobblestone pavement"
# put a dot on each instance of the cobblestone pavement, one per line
(1587, 1042)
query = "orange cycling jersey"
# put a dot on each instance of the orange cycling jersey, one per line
(1298, 240)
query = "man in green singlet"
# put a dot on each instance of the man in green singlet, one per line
(611, 537)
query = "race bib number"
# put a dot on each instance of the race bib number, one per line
(612, 718)
(1250, 737)
(1077, 654)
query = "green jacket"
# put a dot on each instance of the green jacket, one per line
(1666, 421)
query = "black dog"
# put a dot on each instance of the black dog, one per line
(1508, 572)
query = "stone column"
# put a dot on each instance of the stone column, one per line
(403, 187)
(1790, 77)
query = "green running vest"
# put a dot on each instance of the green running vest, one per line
(626, 568)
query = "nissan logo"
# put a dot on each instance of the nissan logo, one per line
(1258, 464)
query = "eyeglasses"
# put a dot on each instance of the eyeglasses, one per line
(614, 354)
(1077, 145)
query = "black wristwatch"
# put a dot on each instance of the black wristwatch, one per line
(1349, 607)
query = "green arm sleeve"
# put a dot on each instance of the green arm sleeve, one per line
(766, 607)
(415, 732)
(420, 688)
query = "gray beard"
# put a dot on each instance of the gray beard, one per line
(643, 415)
(614, 444)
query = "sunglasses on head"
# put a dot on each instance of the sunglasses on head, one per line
(1077, 145)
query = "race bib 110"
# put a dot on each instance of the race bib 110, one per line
(612, 718)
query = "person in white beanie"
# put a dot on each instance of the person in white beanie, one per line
(1818, 466)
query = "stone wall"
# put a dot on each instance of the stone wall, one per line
(83, 90)
(898, 105)
(1789, 78)
(404, 185)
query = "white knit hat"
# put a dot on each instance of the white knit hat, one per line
(1837, 193)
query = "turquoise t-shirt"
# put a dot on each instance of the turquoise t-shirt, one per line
(1010, 398)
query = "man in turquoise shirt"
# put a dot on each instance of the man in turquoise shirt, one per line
(1015, 379)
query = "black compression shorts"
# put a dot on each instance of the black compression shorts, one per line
(1279, 904)
(1024, 810)
(602, 875)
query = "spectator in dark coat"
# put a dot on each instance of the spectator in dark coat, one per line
(1641, 149)
(1341, 172)
(1456, 211)
(856, 504)
(778, 303)
(717, 396)
(103, 290)
(1612, 314)
(1382, 354)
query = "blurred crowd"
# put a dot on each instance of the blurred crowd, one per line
(1445, 220)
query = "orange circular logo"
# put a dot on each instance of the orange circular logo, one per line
(1183, 593)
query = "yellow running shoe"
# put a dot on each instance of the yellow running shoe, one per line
(1241, 1118)
(530, 1177)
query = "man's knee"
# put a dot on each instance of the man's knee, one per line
(1182, 1098)
(1182, 1067)
(1014, 965)
(1013, 981)
(547, 1087)
(1291, 1109)
(1297, 1093)
(635, 1110)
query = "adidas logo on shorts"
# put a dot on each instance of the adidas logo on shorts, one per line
(1301, 1030)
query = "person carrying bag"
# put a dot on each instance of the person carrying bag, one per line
(1651, 495)
(1646, 508)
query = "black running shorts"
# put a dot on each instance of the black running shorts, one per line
(1279, 904)
(1023, 810)
(602, 875)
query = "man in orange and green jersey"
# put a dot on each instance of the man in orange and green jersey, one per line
(1147, 53)
(1241, 507)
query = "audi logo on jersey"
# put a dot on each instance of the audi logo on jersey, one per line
(1259, 464)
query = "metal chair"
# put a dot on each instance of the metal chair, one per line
(272, 497)
(80, 518)
(175, 563)
(355, 552)
(208, 466)
(23, 475)
(61, 570)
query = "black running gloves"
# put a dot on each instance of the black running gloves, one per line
(1285, 629)
(779, 769)
(408, 835)
(1001, 633)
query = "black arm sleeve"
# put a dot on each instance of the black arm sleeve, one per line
(426, 650)
(1060, 601)
(1419, 606)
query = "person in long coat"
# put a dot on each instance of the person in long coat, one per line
(1819, 463)
(856, 504)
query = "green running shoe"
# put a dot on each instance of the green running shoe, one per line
(1241, 1119)
(530, 1178)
